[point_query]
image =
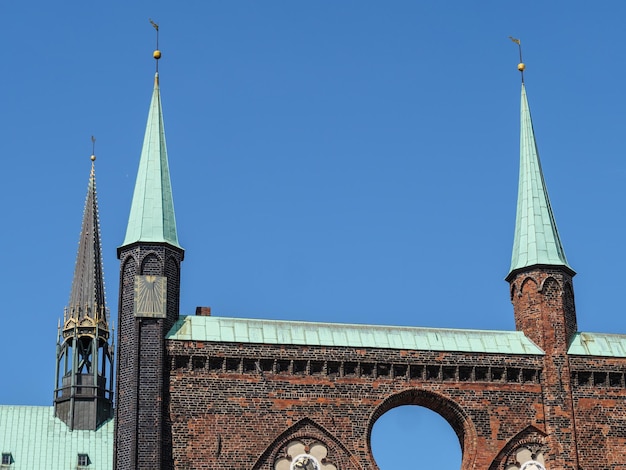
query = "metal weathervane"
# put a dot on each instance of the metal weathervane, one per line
(157, 53)
(521, 67)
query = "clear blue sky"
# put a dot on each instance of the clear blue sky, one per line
(349, 161)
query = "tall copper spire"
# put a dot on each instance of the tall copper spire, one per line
(537, 240)
(152, 216)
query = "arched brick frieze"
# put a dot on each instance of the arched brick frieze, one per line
(527, 445)
(151, 265)
(569, 307)
(528, 285)
(306, 439)
(550, 284)
(446, 408)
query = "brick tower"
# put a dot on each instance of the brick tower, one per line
(150, 259)
(203, 391)
(542, 294)
(83, 395)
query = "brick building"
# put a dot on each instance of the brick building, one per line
(232, 393)
(202, 391)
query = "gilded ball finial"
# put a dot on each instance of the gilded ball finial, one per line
(156, 54)
(521, 66)
(93, 158)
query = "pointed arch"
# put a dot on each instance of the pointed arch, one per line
(548, 282)
(528, 283)
(151, 264)
(513, 291)
(530, 437)
(458, 419)
(308, 431)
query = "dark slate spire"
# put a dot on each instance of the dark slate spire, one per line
(83, 396)
(87, 295)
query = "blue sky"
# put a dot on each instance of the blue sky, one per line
(350, 161)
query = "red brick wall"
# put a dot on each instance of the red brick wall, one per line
(232, 406)
(543, 305)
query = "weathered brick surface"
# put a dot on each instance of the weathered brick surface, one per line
(543, 302)
(230, 406)
(600, 404)
(141, 371)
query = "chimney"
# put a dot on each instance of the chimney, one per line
(203, 311)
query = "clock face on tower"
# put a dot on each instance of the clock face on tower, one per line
(304, 462)
(532, 465)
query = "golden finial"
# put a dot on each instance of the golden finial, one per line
(93, 149)
(157, 53)
(521, 66)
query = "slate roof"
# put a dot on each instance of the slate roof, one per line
(242, 330)
(37, 440)
(87, 294)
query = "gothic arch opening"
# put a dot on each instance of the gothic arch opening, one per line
(423, 430)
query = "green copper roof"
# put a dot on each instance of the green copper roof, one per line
(37, 440)
(598, 344)
(152, 211)
(536, 236)
(242, 330)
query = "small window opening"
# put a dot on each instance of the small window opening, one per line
(465, 373)
(7, 458)
(267, 365)
(350, 369)
(83, 460)
(367, 370)
(334, 369)
(448, 372)
(400, 370)
(250, 365)
(283, 366)
(232, 364)
(416, 372)
(216, 363)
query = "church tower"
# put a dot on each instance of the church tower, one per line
(83, 395)
(542, 293)
(150, 259)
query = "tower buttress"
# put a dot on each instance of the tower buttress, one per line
(542, 294)
(150, 259)
(83, 395)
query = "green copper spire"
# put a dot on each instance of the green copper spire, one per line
(537, 239)
(152, 211)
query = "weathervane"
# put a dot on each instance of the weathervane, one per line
(521, 67)
(157, 53)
